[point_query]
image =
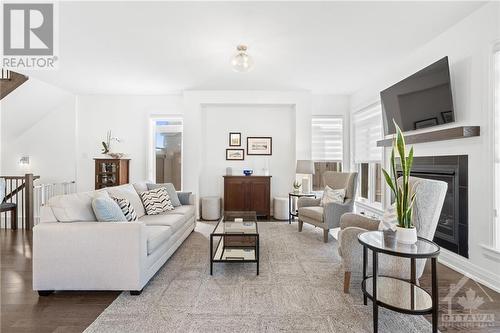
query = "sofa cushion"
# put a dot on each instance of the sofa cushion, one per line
(186, 210)
(128, 192)
(156, 236)
(73, 207)
(315, 213)
(156, 201)
(140, 187)
(174, 221)
(170, 190)
(107, 210)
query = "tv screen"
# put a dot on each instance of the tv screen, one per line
(421, 100)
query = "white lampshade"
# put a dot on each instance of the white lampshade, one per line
(305, 167)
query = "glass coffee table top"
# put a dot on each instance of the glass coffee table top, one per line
(385, 242)
(236, 228)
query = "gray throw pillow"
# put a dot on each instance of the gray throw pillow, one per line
(174, 199)
(184, 197)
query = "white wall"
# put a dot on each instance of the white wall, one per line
(39, 120)
(469, 47)
(249, 120)
(128, 118)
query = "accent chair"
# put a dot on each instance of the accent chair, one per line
(427, 209)
(328, 217)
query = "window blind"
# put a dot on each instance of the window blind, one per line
(367, 130)
(327, 138)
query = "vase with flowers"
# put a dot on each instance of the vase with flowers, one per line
(406, 232)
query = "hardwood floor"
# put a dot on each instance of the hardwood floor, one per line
(23, 311)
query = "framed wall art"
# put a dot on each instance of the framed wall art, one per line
(259, 146)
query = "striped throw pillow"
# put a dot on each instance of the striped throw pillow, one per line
(127, 209)
(156, 201)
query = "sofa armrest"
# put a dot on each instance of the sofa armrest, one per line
(357, 220)
(308, 202)
(333, 212)
(89, 255)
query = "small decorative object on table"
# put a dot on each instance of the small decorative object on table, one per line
(106, 146)
(406, 232)
(296, 187)
(248, 172)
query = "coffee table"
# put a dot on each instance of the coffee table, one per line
(234, 241)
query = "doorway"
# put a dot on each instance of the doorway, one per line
(168, 151)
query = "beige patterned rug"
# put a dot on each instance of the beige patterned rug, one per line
(299, 289)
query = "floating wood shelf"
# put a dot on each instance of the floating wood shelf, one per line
(439, 135)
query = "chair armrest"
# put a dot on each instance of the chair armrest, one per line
(350, 249)
(333, 212)
(308, 202)
(357, 220)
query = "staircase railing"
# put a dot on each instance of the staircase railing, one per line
(44, 192)
(19, 190)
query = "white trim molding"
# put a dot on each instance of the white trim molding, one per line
(470, 270)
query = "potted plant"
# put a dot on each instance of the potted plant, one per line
(406, 232)
(296, 187)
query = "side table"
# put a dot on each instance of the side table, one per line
(293, 211)
(395, 294)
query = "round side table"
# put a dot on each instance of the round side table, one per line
(399, 295)
(292, 204)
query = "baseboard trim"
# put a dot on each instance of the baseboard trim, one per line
(472, 271)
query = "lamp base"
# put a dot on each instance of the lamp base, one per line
(306, 185)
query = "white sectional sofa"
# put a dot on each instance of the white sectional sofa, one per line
(71, 251)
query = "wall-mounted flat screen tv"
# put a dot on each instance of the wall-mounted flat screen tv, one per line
(421, 100)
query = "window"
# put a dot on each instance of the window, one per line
(327, 151)
(367, 130)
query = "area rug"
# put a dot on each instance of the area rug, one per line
(299, 289)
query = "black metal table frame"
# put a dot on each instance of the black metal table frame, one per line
(291, 215)
(413, 281)
(222, 235)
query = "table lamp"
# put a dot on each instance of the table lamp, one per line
(305, 167)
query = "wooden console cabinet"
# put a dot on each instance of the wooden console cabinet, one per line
(248, 193)
(111, 172)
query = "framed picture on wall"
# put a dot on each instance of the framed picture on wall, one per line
(235, 154)
(234, 139)
(259, 146)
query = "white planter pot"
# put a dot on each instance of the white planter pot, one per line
(406, 235)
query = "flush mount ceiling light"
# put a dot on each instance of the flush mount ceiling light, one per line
(241, 61)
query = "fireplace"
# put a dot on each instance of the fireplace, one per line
(452, 232)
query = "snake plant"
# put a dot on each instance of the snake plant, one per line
(402, 191)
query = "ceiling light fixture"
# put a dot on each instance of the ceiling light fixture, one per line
(241, 61)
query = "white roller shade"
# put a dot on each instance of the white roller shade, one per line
(327, 138)
(367, 130)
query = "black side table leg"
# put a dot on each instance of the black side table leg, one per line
(211, 255)
(365, 264)
(289, 209)
(435, 296)
(374, 279)
(257, 253)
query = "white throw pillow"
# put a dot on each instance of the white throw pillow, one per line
(156, 201)
(331, 195)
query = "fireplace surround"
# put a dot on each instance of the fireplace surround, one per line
(452, 232)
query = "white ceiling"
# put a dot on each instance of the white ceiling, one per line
(165, 47)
